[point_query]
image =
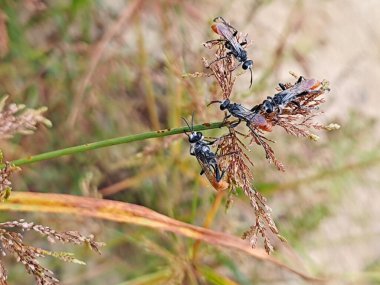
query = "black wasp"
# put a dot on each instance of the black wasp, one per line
(252, 119)
(229, 33)
(201, 149)
(288, 95)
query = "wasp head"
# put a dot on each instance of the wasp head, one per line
(267, 106)
(247, 64)
(195, 137)
(224, 105)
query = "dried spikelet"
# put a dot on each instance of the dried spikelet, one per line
(296, 117)
(19, 119)
(3, 273)
(5, 173)
(12, 242)
(332, 127)
(222, 70)
(258, 138)
(235, 162)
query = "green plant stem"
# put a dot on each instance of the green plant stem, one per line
(110, 142)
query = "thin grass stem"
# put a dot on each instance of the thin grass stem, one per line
(110, 142)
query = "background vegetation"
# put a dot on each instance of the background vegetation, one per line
(111, 68)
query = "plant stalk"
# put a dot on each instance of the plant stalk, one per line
(110, 142)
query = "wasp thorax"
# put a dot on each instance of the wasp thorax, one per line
(224, 105)
(243, 55)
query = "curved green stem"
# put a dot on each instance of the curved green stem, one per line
(110, 142)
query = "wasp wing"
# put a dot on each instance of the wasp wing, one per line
(210, 175)
(251, 117)
(226, 32)
(303, 87)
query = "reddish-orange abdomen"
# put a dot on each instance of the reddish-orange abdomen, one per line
(214, 27)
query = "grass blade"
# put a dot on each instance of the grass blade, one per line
(134, 214)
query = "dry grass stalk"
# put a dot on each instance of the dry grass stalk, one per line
(5, 183)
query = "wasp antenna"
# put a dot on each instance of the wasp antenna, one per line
(213, 102)
(186, 124)
(250, 69)
(218, 18)
(192, 121)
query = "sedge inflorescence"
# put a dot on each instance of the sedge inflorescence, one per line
(292, 108)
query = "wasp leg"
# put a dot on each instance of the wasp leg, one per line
(256, 108)
(221, 176)
(211, 43)
(236, 66)
(243, 43)
(234, 125)
(218, 176)
(282, 86)
(208, 142)
(215, 41)
(297, 104)
(202, 172)
(225, 119)
(220, 58)
(259, 140)
(301, 78)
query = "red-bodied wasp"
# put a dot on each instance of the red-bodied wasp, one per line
(230, 40)
(253, 120)
(208, 160)
(288, 95)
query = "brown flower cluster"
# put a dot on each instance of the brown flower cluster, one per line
(237, 164)
(292, 108)
(11, 241)
(16, 118)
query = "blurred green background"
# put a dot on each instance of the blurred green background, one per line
(113, 68)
